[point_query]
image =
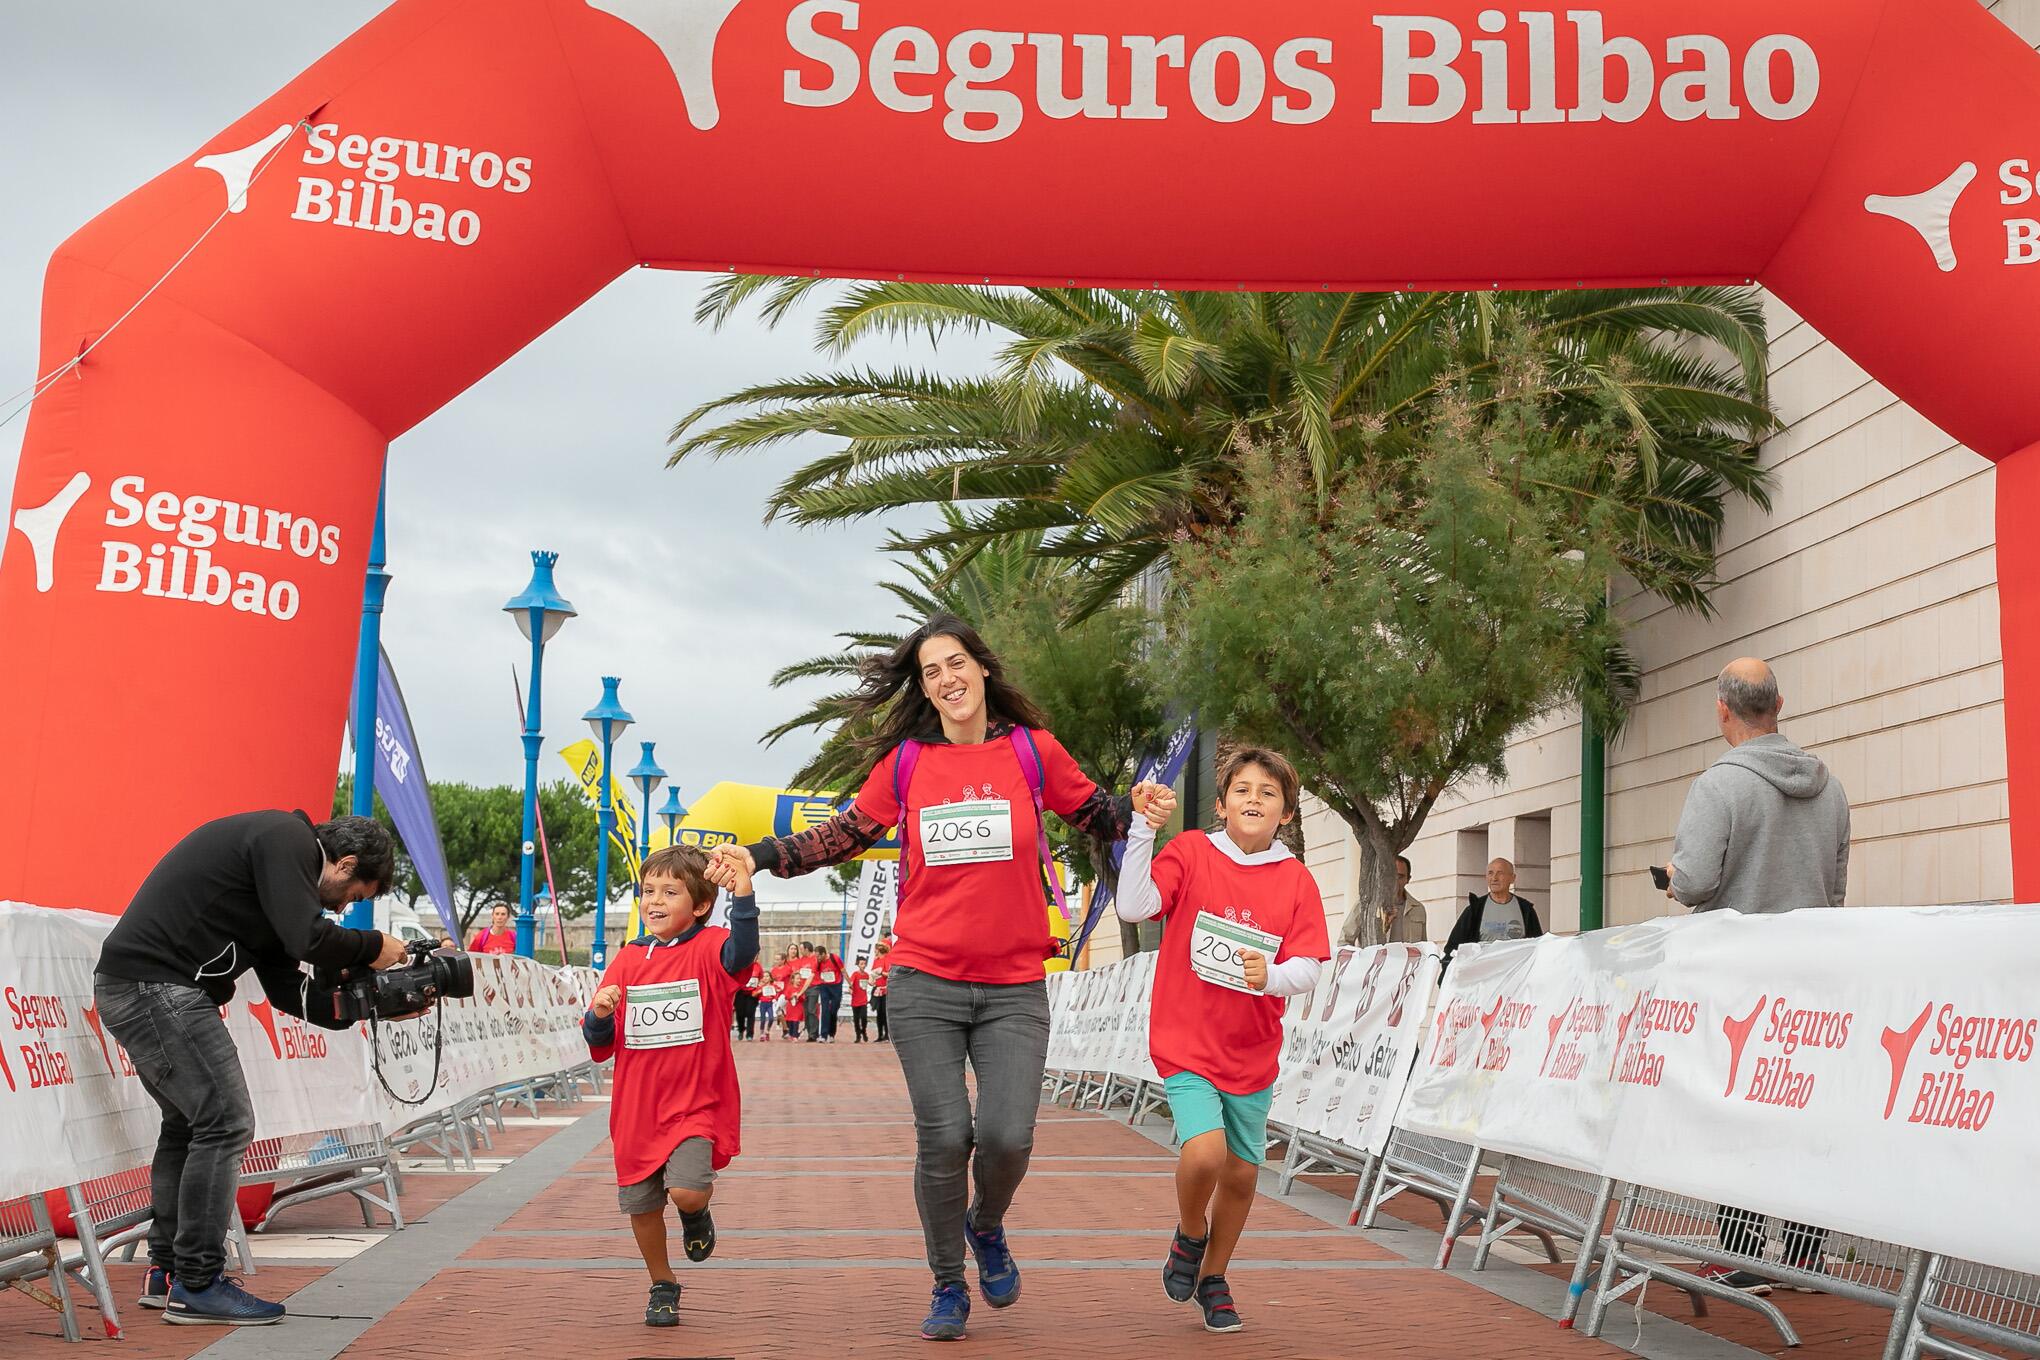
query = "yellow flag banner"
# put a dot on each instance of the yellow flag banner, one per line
(584, 758)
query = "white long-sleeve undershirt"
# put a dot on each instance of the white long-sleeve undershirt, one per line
(1139, 899)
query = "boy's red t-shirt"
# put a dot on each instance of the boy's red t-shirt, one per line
(985, 921)
(859, 995)
(660, 1097)
(794, 1011)
(1231, 1039)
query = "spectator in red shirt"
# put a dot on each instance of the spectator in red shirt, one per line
(497, 937)
(972, 926)
(860, 1000)
(749, 986)
(829, 986)
(881, 967)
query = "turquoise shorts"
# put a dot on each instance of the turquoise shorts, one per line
(1199, 1108)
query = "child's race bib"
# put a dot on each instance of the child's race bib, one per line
(663, 1014)
(1215, 945)
(967, 833)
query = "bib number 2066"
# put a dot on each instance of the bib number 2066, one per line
(663, 1015)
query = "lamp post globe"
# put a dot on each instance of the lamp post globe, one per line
(607, 720)
(647, 775)
(539, 611)
(672, 812)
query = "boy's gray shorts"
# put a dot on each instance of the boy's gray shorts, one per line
(689, 1168)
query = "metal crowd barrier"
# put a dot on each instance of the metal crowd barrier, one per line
(313, 1166)
(1436, 1169)
(29, 1251)
(1307, 1153)
(1984, 1303)
(1653, 1225)
(1548, 1202)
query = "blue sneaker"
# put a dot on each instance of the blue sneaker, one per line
(998, 1277)
(223, 1303)
(155, 1289)
(947, 1314)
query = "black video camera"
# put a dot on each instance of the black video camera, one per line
(357, 994)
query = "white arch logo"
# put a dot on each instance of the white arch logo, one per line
(1928, 212)
(685, 31)
(39, 525)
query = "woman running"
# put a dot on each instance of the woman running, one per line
(963, 763)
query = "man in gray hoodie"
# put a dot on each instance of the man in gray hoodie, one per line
(1766, 827)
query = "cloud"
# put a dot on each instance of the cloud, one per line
(682, 591)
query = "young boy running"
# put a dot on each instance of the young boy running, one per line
(1245, 928)
(664, 1009)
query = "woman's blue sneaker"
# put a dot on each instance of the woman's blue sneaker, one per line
(947, 1314)
(223, 1303)
(998, 1277)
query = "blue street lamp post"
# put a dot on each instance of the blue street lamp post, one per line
(647, 775)
(672, 813)
(367, 670)
(607, 720)
(539, 612)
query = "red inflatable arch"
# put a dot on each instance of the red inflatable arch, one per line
(190, 517)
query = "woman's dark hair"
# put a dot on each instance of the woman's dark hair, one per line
(891, 690)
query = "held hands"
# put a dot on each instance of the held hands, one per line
(1155, 803)
(731, 866)
(393, 953)
(606, 1001)
(1255, 964)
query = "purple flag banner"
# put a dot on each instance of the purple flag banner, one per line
(1162, 767)
(400, 779)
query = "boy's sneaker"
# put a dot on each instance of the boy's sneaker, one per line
(1179, 1272)
(947, 1313)
(1754, 1285)
(664, 1308)
(155, 1289)
(223, 1303)
(697, 1235)
(998, 1277)
(1214, 1296)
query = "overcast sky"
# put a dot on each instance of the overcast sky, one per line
(560, 448)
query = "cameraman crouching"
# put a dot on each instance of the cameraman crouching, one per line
(243, 892)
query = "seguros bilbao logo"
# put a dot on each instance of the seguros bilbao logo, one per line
(1951, 1093)
(195, 548)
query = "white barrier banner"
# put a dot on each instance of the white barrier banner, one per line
(1868, 1070)
(1347, 1049)
(71, 1106)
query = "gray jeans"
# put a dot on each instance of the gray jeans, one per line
(1003, 1031)
(189, 1066)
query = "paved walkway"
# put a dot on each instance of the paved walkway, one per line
(820, 1253)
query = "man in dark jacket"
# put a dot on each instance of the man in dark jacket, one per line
(1497, 914)
(244, 892)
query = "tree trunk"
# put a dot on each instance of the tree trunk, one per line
(1129, 939)
(1374, 891)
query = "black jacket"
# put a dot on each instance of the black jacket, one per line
(1467, 928)
(238, 893)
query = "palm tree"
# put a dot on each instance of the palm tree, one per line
(1114, 421)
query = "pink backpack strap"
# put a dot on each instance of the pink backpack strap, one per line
(909, 755)
(1029, 756)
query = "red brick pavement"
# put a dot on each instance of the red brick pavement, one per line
(820, 1249)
